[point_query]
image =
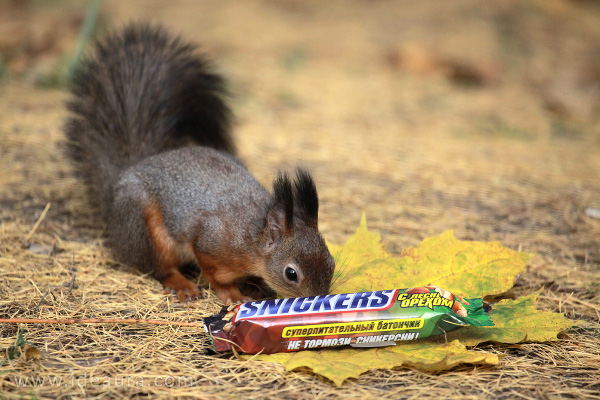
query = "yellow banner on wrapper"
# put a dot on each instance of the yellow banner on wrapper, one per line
(343, 328)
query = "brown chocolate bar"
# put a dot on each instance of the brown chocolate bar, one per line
(364, 319)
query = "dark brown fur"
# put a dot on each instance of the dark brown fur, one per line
(150, 135)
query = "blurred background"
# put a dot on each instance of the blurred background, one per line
(480, 117)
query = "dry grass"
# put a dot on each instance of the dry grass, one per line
(426, 118)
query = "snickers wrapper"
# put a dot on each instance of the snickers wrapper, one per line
(365, 319)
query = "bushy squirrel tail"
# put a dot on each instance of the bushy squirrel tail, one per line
(139, 93)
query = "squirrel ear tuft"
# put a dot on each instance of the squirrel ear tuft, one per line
(280, 218)
(306, 197)
(284, 200)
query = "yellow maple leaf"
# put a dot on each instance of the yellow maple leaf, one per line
(470, 269)
(465, 268)
(341, 364)
(516, 321)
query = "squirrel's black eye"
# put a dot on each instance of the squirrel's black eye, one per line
(291, 274)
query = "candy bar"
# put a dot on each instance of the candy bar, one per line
(364, 319)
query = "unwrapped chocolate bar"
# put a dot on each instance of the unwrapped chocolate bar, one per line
(365, 319)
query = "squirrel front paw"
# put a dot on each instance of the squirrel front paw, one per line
(231, 294)
(185, 289)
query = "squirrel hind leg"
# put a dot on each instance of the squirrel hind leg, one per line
(167, 257)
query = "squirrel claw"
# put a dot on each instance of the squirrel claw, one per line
(184, 292)
(189, 295)
(229, 302)
(185, 289)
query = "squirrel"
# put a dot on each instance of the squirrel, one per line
(149, 132)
